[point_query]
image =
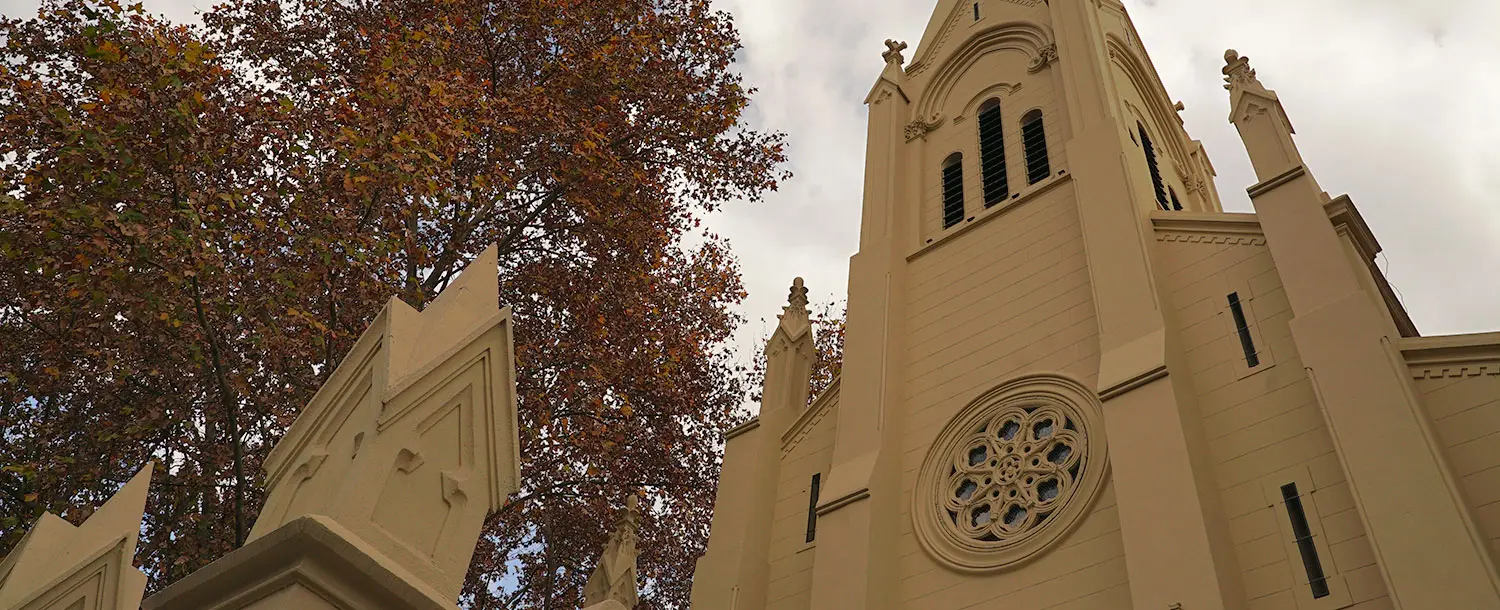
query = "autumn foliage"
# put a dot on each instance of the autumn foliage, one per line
(196, 223)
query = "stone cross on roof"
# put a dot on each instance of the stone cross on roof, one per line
(893, 52)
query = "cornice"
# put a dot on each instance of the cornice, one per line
(1269, 184)
(1032, 193)
(1346, 217)
(742, 428)
(1208, 227)
(1452, 356)
(810, 417)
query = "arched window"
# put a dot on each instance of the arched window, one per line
(1034, 139)
(953, 190)
(1156, 183)
(992, 153)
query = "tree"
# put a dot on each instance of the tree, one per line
(200, 222)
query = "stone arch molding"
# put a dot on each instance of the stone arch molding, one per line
(1012, 473)
(1032, 39)
(1159, 111)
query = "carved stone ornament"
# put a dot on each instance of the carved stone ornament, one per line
(921, 127)
(1013, 472)
(1237, 72)
(1044, 57)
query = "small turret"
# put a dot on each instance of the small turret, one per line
(614, 576)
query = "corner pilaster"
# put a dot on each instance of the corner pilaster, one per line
(859, 511)
(1163, 477)
(1429, 549)
(734, 572)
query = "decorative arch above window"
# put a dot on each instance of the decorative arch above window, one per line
(953, 190)
(1156, 181)
(1028, 38)
(992, 153)
(1034, 139)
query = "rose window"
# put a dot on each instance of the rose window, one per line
(1011, 473)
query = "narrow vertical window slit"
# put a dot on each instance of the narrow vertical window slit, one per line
(1156, 182)
(953, 190)
(1304, 539)
(1034, 139)
(812, 508)
(1242, 326)
(992, 153)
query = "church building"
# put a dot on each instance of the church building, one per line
(1072, 381)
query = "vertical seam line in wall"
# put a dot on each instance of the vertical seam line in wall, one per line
(1429, 437)
(885, 340)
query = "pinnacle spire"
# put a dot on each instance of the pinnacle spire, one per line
(614, 576)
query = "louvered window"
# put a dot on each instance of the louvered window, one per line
(812, 507)
(953, 190)
(1034, 139)
(992, 154)
(1242, 327)
(1311, 564)
(1176, 205)
(1156, 183)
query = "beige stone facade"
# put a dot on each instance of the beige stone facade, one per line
(1071, 380)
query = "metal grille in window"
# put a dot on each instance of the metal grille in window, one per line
(953, 190)
(1242, 327)
(1316, 579)
(992, 154)
(812, 507)
(1034, 138)
(1156, 182)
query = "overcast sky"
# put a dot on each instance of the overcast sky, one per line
(1396, 102)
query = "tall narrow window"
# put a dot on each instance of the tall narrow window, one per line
(1309, 551)
(812, 508)
(992, 153)
(1242, 326)
(1161, 189)
(976, 11)
(1034, 139)
(953, 190)
(1176, 205)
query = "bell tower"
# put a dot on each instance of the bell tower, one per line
(1071, 380)
(1013, 167)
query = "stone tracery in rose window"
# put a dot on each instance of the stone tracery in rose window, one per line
(1013, 471)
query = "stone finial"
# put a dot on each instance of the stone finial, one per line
(614, 577)
(1237, 72)
(797, 300)
(893, 51)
